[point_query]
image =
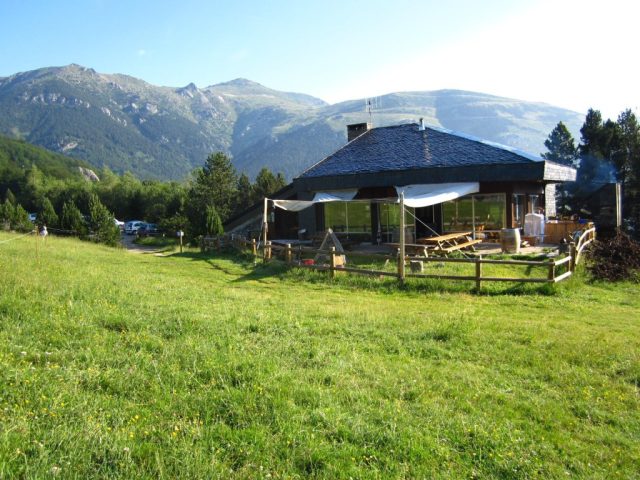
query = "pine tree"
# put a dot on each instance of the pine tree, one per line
(72, 220)
(267, 183)
(627, 161)
(218, 181)
(245, 197)
(10, 197)
(561, 146)
(214, 185)
(20, 221)
(46, 214)
(101, 222)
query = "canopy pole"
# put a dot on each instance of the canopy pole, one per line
(402, 249)
(265, 228)
(473, 216)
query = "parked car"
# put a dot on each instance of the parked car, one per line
(132, 226)
(147, 230)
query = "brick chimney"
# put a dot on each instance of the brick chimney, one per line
(357, 129)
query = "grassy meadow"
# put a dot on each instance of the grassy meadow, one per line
(121, 366)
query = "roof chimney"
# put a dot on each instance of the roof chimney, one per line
(357, 129)
(421, 124)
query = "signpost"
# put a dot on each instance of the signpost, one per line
(180, 234)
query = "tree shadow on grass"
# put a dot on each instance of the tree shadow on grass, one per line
(248, 269)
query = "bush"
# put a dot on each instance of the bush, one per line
(615, 259)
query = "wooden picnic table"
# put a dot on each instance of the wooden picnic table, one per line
(417, 249)
(449, 242)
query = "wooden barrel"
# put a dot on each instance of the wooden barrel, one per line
(510, 240)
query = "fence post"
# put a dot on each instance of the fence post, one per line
(478, 272)
(552, 271)
(332, 262)
(288, 255)
(267, 250)
(574, 259)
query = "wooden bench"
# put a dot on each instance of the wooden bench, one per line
(458, 246)
(416, 249)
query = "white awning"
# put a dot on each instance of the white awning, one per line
(335, 195)
(319, 197)
(414, 195)
(424, 195)
(292, 205)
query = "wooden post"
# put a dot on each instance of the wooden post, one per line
(573, 253)
(332, 262)
(618, 206)
(267, 250)
(402, 242)
(552, 271)
(478, 272)
(254, 247)
(265, 228)
(473, 218)
(288, 254)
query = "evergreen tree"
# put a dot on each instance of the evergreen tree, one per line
(267, 183)
(4, 215)
(101, 222)
(217, 182)
(20, 221)
(214, 185)
(561, 146)
(245, 196)
(46, 214)
(10, 197)
(627, 161)
(591, 133)
(599, 141)
(627, 157)
(71, 219)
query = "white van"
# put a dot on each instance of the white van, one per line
(132, 226)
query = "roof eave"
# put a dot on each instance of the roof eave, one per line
(516, 172)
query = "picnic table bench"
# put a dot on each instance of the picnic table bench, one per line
(417, 249)
(449, 242)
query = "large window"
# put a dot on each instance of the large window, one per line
(355, 218)
(490, 211)
(487, 210)
(390, 222)
(347, 217)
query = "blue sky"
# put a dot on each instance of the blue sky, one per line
(563, 52)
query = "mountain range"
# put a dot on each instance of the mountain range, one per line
(127, 124)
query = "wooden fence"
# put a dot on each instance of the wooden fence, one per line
(556, 270)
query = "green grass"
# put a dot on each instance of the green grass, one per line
(115, 365)
(161, 242)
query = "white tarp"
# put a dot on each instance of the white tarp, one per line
(414, 195)
(417, 196)
(319, 197)
(335, 196)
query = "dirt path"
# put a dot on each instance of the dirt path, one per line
(127, 242)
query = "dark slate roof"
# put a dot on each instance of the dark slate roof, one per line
(406, 147)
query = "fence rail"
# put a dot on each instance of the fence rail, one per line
(292, 255)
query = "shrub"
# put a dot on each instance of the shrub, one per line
(614, 259)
